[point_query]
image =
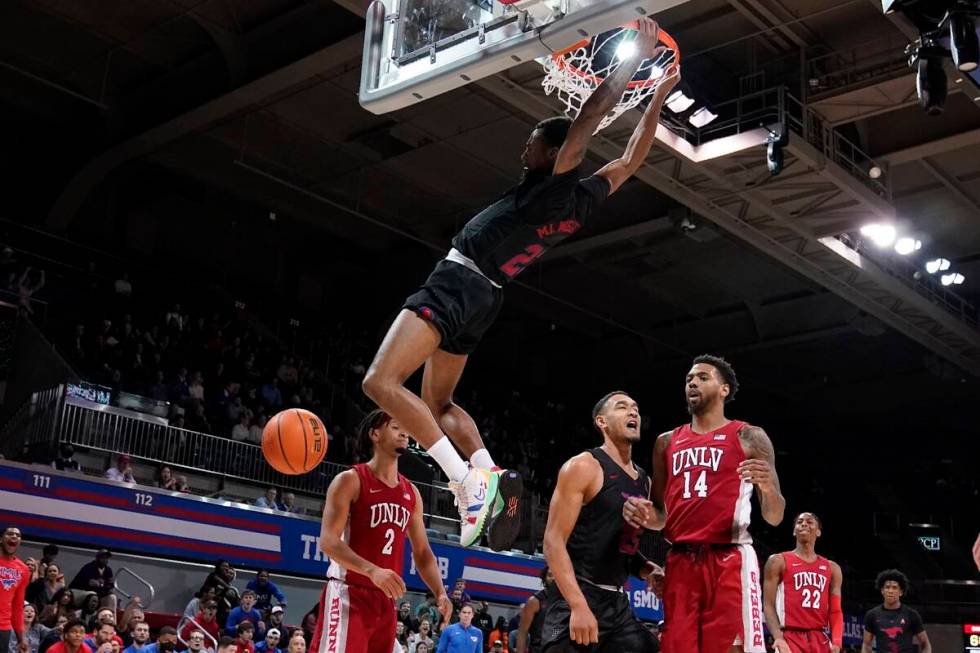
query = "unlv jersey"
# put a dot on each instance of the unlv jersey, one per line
(376, 526)
(803, 597)
(706, 500)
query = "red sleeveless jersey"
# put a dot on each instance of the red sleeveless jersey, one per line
(376, 526)
(803, 597)
(706, 500)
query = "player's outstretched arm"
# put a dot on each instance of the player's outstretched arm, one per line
(773, 573)
(343, 491)
(836, 611)
(759, 468)
(425, 560)
(566, 503)
(530, 609)
(618, 171)
(604, 98)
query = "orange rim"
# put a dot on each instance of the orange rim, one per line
(665, 38)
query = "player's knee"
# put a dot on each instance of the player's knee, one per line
(438, 405)
(375, 385)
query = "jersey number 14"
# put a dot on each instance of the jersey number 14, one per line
(700, 484)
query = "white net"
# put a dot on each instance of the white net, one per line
(574, 74)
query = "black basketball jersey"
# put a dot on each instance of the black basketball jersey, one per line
(534, 632)
(602, 543)
(510, 234)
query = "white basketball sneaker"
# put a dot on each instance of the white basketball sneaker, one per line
(476, 496)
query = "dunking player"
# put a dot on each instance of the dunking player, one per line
(589, 546)
(802, 594)
(703, 476)
(368, 511)
(442, 323)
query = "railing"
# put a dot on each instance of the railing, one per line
(909, 274)
(197, 627)
(777, 106)
(150, 593)
(33, 423)
(47, 419)
(844, 68)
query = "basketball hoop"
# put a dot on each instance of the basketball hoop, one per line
(578, 70)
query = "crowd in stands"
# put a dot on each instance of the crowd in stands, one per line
(82, 616)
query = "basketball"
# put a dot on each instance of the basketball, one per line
(294, 441)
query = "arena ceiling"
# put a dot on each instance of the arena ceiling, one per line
(258, 101)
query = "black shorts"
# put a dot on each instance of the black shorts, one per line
(619, 629)
(460, 303)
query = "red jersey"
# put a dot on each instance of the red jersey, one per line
(376, 526)
(14, 577)
(705, 498)
(803, 597)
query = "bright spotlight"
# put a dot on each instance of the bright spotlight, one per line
(952, 279)
(874, 172)
(937, 265)
(626, 49)
(906, 245)
(881, 235)
(702, 117)
(677, 102)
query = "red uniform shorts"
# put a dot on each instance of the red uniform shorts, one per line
(354, 619)
(712, 600)
(807, 641)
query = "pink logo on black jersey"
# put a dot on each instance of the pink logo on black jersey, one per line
(9, 577)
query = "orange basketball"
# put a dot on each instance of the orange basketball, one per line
(294, 441)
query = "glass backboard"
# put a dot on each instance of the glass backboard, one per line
(416, 49)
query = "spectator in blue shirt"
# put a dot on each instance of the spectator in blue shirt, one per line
(268, 500)
(265, 590)
(463, 636)
(141, 635)
(271, 642)
(244, 612)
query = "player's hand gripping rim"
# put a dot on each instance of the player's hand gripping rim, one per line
(583, 627)
(388, 582)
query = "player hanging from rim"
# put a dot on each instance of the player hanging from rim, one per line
(703, 477)
(802, 594)
(591, 549)
(442, 323)
(368, 511)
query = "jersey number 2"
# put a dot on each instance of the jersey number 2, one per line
(521, 261)
(700, 485)
(389, 541)
(811, 600)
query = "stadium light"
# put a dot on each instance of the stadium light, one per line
(881, 235)
(937, 265)
(626, 49)
(964, 43)
(952, 279)
(906, 245)
(702, 117)
(677, 102)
